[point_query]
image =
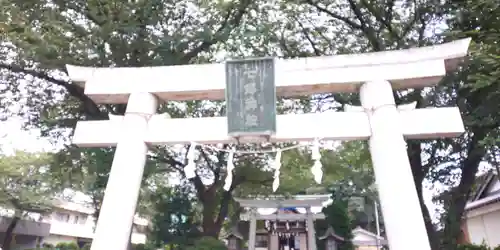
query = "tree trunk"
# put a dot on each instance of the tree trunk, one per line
(9, 233)
(460, 195)
(210, 228)
(209, 202)
(212, 220)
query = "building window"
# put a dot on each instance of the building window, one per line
(83, 219)
(261, 241)
(62, 217)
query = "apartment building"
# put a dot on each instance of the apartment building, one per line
(67, 222)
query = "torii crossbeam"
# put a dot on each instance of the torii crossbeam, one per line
(375, 75)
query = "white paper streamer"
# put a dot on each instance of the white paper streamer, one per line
(277, 166)
(317, 168)
(190, 168)
(230, 167)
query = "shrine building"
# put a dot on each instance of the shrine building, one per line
(280, 223)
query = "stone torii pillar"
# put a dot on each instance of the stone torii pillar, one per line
(252, 232)
(118, 209)
(375, 75)
(393, 174)
(311, 231)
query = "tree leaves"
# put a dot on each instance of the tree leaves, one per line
(25, 182)
(42, 37)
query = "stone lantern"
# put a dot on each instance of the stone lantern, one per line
(234, 239)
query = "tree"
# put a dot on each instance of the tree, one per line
(361, 26)
(337, 217)
(207, 243)
(346, 165)
(24, 187)
(476, 90)
(43, 36)
(175, 222)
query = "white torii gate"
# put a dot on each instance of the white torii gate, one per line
(375, 75)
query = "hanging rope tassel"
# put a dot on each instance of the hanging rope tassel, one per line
(277, 166)
(190, 168)
(230, 168)
(317, 168)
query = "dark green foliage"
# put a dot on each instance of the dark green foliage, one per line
(41, 36)
(476, 247)
(74, 246)
(67, 246)
(337, 217)
(86, 246)
(208, 243)
(320, 226)
(21, 188)
(174, 221)
(143, 247)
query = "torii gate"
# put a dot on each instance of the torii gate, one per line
(375, 75)
(277, 203)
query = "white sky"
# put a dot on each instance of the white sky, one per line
(12, 137)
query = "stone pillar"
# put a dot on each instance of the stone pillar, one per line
(398, 196)
(252, 230)
(303, 241)
(122, 190)
(311, 234)
(274, 241)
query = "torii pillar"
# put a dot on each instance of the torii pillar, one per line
(394, 178)
(375, 75)
(113, 229)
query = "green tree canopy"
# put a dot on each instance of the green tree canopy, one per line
(25, 186)
(41, 36)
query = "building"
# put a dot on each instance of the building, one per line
(278, 223)
(366, 240)
(67, 222)
(481, 222)
(27, 232)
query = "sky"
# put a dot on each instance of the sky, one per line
(12, 138)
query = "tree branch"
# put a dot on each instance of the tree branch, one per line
(177, 165)
(416, 16)
(317, 51)
(208, 161)
(362, 26)
(383, 21)
(365, 28)
(223, 31)
(224, 207)
(90, 108)
(334, 15)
